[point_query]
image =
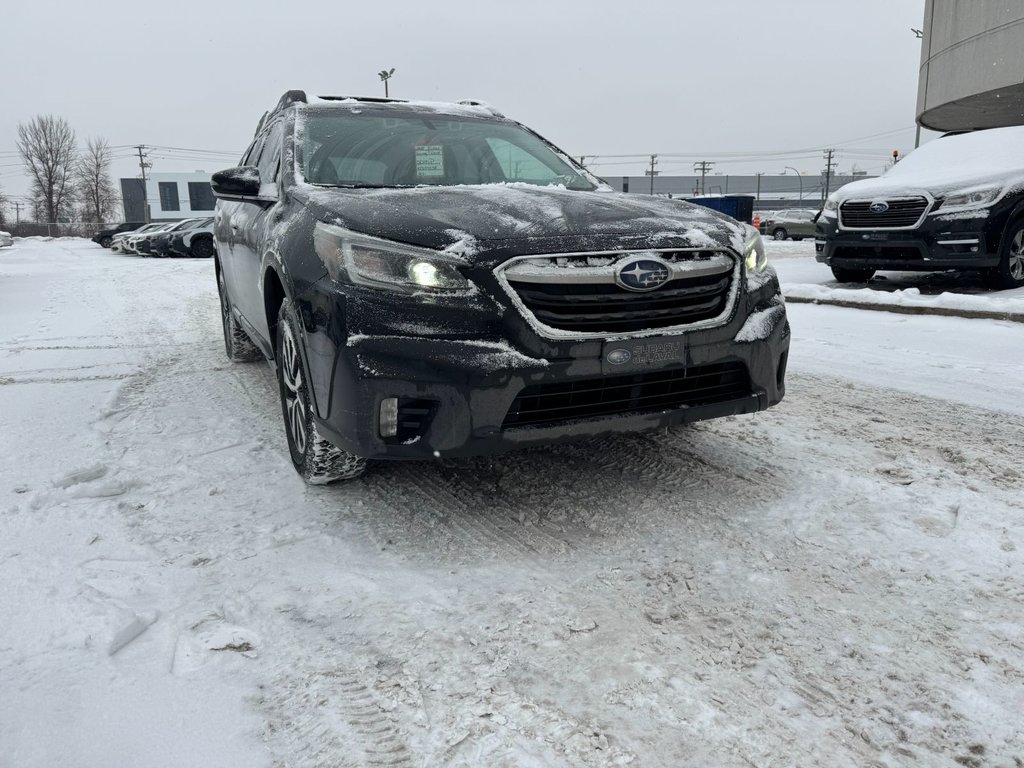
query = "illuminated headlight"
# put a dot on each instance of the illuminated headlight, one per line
(424, 273)
(354, 258)
(754, 256)
(971, 198)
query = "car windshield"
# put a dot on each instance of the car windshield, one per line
(384, 150)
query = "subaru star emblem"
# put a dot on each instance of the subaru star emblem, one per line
(619, 356)
(642, 275)
(879, 206)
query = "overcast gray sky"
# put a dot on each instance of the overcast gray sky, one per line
(732, 80)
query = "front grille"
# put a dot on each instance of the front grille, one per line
(901, 213)
(603, 307)
(546, 404)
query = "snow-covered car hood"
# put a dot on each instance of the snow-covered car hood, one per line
(440, 217)
(993, 157)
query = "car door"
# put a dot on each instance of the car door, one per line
(249, 224)
(227, 235)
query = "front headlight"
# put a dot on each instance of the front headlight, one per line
(971, 198)
(364, 260)
(754, 254)
(831, 206)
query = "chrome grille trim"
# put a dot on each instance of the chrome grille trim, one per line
(904, 212)
(578, 269)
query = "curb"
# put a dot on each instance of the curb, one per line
(969, 314)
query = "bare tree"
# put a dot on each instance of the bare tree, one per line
(3, 209)
(96, 191)
(47, 147)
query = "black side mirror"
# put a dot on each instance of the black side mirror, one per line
(241, 183)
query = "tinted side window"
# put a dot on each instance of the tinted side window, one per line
(253, 153)
(270, 157)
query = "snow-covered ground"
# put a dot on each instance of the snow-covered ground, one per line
(834, 582)
(944, 292)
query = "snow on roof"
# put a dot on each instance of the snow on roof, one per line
(464, 108)
(954, 161)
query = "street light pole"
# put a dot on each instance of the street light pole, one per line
(798, 178)
(385, 75)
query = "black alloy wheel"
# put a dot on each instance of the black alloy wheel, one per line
(202, 248)
(317, 460)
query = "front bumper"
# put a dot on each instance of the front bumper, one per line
(464, 393)
(159, 248)
(935, 245)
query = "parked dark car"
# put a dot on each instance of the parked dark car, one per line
(954, 203)
(436, 280)
(195, 242)
(105, 237)
(172, 241)
(157, 243)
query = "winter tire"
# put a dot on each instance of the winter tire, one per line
(202, 248)
(106, 241)
(237, 343)
(317, 460)
(1010, 272)
(844, 275)
(779, 233)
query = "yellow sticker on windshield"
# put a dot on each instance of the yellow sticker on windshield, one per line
(430, 161)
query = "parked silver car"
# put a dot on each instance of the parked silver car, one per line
(792, 223)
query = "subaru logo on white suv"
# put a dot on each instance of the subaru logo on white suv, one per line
(878, 206)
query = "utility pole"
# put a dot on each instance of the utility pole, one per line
(145, 192)
(758, 196)
(651, 172)
(829, 165)
(17, 212)
(703, 166)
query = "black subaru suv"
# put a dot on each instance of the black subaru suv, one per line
(955, 203)
(436, 280)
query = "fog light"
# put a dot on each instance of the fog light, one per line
(388, 417)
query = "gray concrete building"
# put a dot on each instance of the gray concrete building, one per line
(972, 67)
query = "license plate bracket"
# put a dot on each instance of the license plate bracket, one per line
(650, 353)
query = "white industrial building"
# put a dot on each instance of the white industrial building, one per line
(170, 197)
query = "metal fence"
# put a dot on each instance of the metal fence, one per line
(55, 229)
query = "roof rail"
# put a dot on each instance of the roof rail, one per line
(482, 105)
(289, 98)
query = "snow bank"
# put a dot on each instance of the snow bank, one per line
(994, 304)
